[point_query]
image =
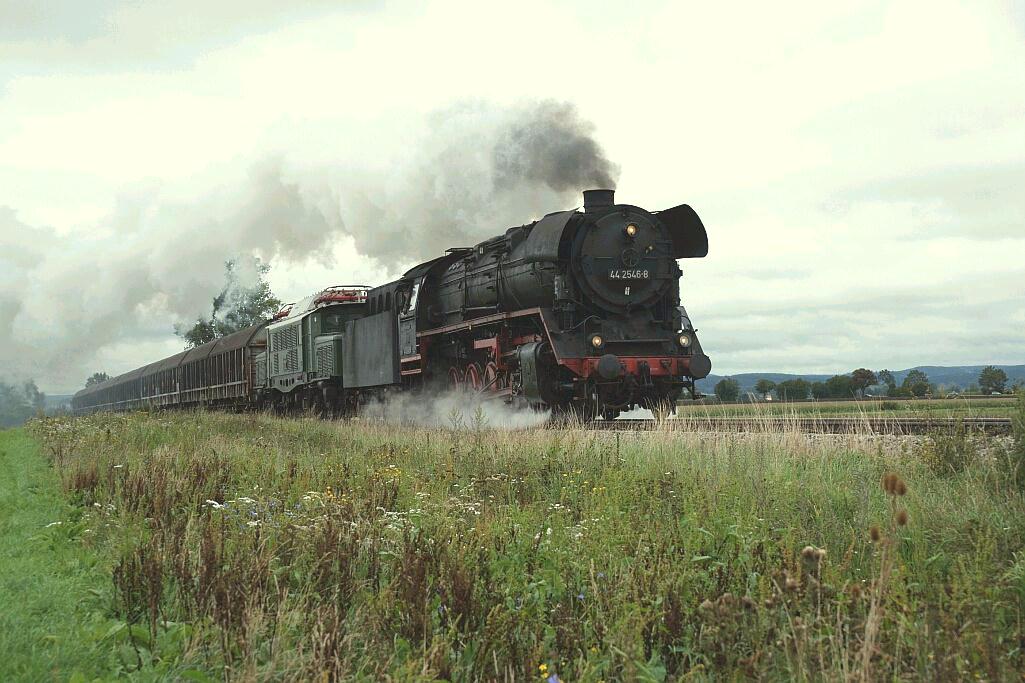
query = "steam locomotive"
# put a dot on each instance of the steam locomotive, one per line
(578, 313)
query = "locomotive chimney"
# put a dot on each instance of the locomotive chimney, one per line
(596, 200)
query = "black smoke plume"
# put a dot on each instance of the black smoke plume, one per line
(478, 170)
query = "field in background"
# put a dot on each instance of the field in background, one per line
(936, 408)
(250, 547)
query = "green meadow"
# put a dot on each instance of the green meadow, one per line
(198, 546)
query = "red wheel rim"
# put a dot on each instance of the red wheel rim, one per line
(492, 380)
(473, 377)
(455, 378)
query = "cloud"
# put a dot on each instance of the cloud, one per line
(125, 34)
(980, 202)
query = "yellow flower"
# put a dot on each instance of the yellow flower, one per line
(543, 668)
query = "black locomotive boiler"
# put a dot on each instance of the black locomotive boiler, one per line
(578, 312)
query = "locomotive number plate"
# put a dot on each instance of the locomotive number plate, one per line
(617, 274)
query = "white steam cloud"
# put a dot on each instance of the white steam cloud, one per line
(454, 410)
(67, 300)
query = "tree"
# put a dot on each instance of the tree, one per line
(886, 377)
(840, 386)
(764, 386)
(728, 389)
(915, 384)
(992, 380)
(819, 390)
(862, 379)
(19, 404)
(793, 389)
(96, 378)
(238, 306)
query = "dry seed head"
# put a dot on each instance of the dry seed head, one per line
(890, 483)
(706, 605)
(902, 518)
(901, 487)
(875, 534)
(820, 554)
(808, 553)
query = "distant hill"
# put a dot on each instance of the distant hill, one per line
(960, 375)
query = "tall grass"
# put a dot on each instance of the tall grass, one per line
(247, 546)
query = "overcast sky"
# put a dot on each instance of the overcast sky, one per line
(859, 166)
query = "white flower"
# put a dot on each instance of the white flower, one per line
(214, 504)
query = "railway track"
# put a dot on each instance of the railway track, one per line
(820, 425)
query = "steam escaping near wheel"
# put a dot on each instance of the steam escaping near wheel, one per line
(452, 409)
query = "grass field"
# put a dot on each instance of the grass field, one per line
(247, 547)
(939, 407)
(54, 592)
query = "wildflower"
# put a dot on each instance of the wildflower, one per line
(902, 518)
(901, 488)
(813, 555)
(543, 668)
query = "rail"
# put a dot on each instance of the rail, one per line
(819, 425)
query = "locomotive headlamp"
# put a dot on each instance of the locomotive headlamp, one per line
(631, 230)
(597, 341)
(684, 340)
